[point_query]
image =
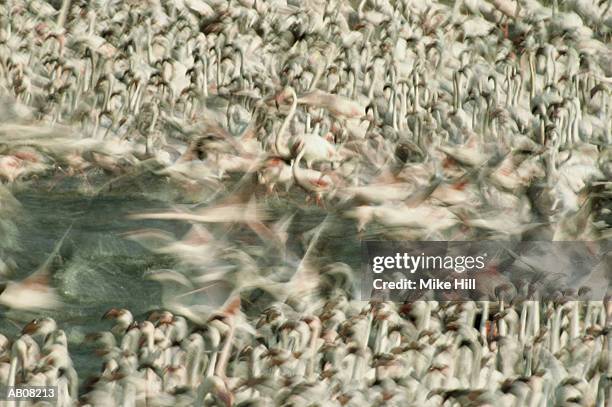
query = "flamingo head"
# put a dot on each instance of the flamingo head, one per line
(43, 325)
(283, 96)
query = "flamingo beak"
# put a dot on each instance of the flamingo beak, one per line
(111, 313)
(30, 328)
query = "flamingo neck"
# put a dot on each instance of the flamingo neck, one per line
(295, 168)
(279, 149)
(225, 352)
(360, 9)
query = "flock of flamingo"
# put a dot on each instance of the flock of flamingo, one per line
(410, 119)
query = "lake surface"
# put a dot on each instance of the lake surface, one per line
(98, 269)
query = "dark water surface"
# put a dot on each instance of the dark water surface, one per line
(98, 269)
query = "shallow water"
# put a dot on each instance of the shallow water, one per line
(98, 269)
